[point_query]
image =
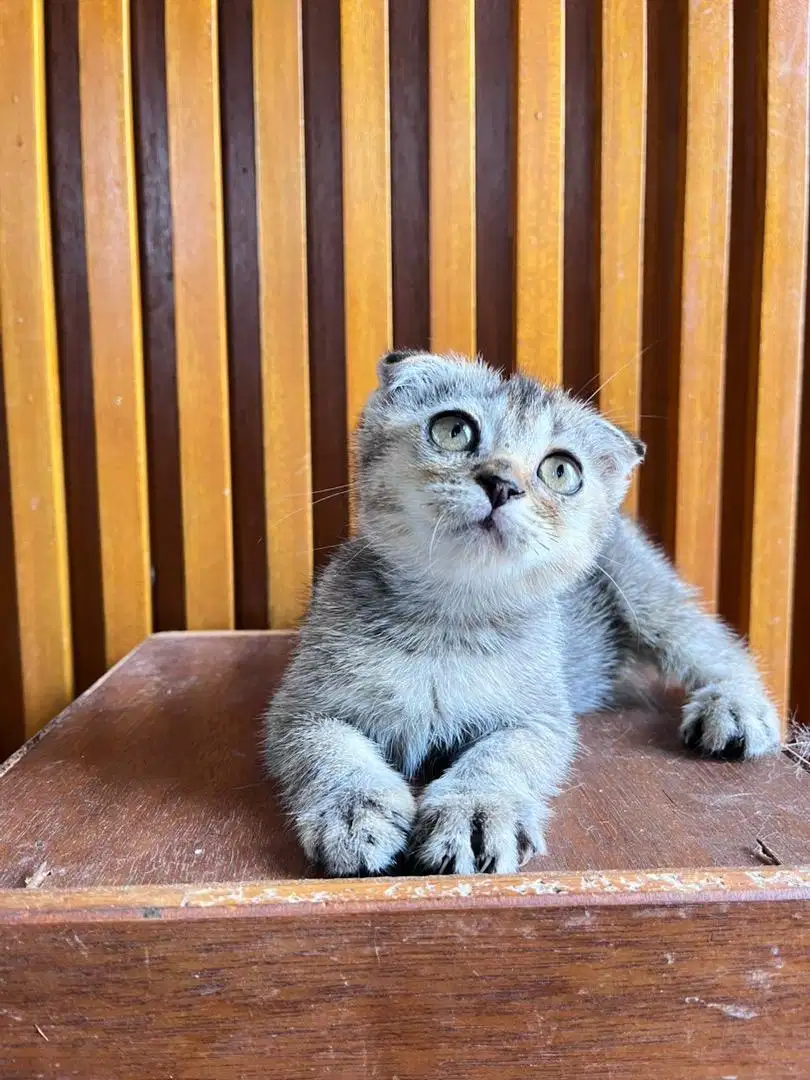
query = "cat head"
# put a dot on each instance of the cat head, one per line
(465, 476)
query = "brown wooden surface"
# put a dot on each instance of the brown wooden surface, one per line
(73, 339)
(115, 322)
(237, 96)
(280, 174)
(195, 161)
(155, 776)
(366, 195)
(781, 352)
(548, 986)
(540, 179)
(452, 176)
(703, 300)
(624, 109)
(35, 495)
(485, 196)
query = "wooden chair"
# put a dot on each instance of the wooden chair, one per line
(213, 219)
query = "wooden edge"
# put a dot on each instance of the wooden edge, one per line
(610, 888)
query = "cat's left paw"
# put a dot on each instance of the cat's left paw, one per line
(723, 721)
(465, 832)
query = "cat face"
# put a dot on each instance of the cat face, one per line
(465, 476)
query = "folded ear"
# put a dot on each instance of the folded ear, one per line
(619, 452)
(396, 367)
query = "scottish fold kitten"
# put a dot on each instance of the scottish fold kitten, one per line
(493, 593)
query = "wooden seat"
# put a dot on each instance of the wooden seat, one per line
(156, 918)
(155, 776)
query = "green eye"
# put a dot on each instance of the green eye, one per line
(453, 431)
(561, 474)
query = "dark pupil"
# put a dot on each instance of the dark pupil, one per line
(456, 430)
(560, 471)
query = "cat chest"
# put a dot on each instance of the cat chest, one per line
(424, 700)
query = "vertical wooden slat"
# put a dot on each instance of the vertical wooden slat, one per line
(157, 306)
(29, 369)
(327, 316)
(108, 173)
(278, 74)
(366, 193)
(192, 85)
(624, 106)
(704, 288)
(71, 290)
(781, 340)
(237, 94)
(410, 229)
(495, 60)
(540, 186)
(452, 176)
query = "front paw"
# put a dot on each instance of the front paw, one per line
(461, 832)
(359, 828)
(723, 721)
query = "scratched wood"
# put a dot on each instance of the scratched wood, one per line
(278, 88)
(93, 922)
(781, 342)
(195, 167)
(111, 230)
(540, 182)
(704, 293)
(366, 194)
(635, 800)
(624, 105)
(30, 374)
(459, 989)
(452, 176)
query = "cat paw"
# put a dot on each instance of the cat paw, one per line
(467, 833)
(721, 721)
(358, 832)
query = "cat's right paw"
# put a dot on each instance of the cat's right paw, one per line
(358, 830)
(722, 721)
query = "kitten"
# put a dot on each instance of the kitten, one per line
(493, 593)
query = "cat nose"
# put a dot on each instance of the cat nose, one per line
(499, 488)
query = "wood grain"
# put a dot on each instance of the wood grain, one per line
(781, 342)
(73, 340)
(189, 801)
(583, 91)
(108, 172)
(366, 194)
(624, 106)
(29, 370)
(328, 977)
(452, 176)
(540, 189)
(744, 309)
(704, 293)
(460, 989)
(199, 284)
(150, 115)
(663, 260)
(237, 95)
(495, 99)
(278, 68)
(410, 229)
(327, 338)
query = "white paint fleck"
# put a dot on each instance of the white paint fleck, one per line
(669, 957)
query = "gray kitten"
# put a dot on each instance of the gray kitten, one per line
(493, 593)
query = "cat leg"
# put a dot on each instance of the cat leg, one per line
(727, 712)
(488, 812)
(352, 812)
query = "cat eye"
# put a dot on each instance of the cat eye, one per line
(561, 474)
(453, 431)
